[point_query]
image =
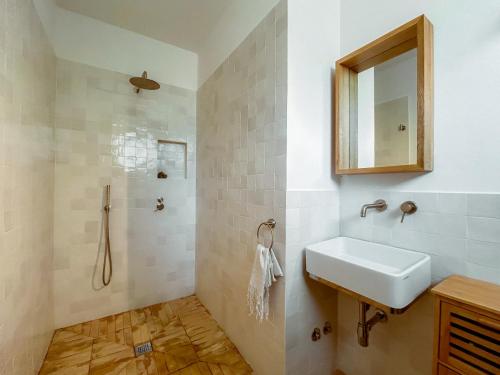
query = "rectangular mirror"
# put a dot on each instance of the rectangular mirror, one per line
(383, 106)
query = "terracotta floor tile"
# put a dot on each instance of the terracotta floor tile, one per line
(155, 327)
(103, 347)
(124, 337)
(169, 337)
(151, 364)
(65, 335)
(226, 356)
(215, 369)
(68, 346)
(180, 357)
(77, 364)
(236, 369)
(140, 334)
(77, 328)
(137, 317)
(186, 341)
(119, 322)
(116, 363)
(198, 368)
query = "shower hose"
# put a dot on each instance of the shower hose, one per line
(106, 279)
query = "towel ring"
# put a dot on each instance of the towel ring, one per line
(270, 224)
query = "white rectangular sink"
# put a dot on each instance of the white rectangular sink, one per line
(388, 275)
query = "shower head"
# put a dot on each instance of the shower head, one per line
(143, 83)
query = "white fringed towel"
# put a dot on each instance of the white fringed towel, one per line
(265, 270)
(275, 268)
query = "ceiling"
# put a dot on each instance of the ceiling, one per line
(183, 23)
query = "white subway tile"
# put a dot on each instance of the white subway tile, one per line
(484, 253)
(452, 247)
(483, 229)
(452, 225)
(452, 203)
(482, 273)
(483, 205)
(425, 222)
(426, 202)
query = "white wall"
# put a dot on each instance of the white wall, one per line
(88, 41)
(235, 23)
(312, 204)
(467, 41)
(459, 231)
(396, 79)
(313, 47)
(366, 118)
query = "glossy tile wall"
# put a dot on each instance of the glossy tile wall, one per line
(27, 93)
(107, 134)
(459, 231)
(311, 217)
(241, 182)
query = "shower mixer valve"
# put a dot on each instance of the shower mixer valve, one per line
(159, 204)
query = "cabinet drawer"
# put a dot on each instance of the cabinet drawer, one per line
(469, 342)
(446, 371)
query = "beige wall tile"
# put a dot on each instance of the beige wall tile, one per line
(240, 183)
(27, 94)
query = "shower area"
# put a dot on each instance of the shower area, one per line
(107, 134)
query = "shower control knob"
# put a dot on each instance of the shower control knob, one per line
(159, 204)
(316, 335)
(407, 208)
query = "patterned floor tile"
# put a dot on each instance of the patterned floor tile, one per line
(103, 347)
(68, 344)
(186, 340)
(226, 356)
(77, 364)
(170, 337)
(180, 357)
(116, 363)
(198, 368)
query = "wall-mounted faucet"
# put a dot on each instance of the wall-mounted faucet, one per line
(379, 205)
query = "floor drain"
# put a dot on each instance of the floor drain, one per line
(143, 349)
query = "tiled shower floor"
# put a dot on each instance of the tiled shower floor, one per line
(186, 341)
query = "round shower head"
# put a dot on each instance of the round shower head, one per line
(143, 83)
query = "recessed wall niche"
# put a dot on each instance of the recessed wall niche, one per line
(172, 159)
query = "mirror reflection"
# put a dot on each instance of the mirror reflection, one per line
(383, 122)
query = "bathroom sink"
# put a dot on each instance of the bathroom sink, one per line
(388, 275)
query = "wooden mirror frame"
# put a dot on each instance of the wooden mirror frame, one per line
(418, 34)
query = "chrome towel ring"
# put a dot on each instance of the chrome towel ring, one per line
(270, 224)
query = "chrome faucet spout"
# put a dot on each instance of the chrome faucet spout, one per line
(379, 205)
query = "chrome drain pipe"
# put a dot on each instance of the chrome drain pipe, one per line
(365, 326)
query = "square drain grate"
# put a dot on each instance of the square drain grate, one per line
(142, 349)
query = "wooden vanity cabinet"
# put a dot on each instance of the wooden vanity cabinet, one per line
(466, 327)
(442, 370)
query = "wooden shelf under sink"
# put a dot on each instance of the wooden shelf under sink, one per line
(361, 298)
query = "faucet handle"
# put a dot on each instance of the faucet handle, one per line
(408, 208)
(159, 204)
